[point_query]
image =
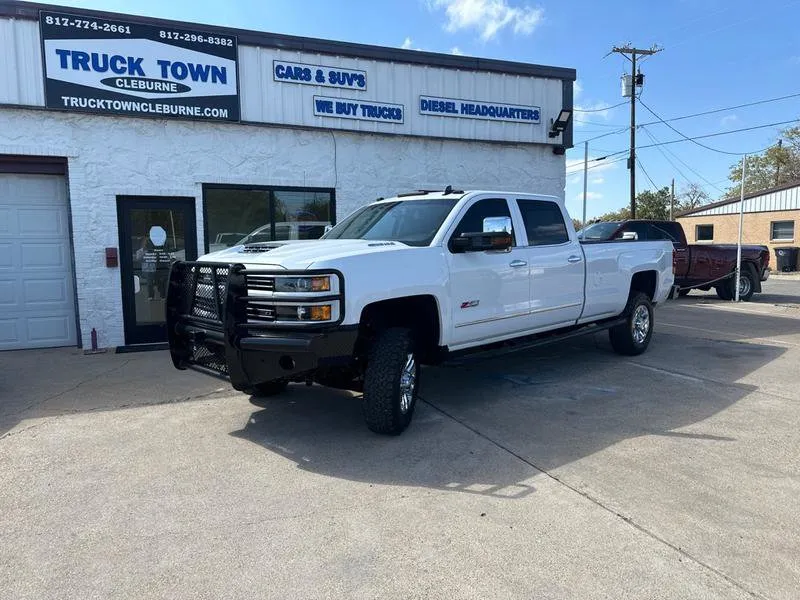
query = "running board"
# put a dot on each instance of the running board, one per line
(460, 357)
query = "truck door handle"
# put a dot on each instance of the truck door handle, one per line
(574, 259)
(517, 263)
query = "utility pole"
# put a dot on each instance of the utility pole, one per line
(672, 200)
(631, 53)
(585, 178)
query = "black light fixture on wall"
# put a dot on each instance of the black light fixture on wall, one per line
(559, 125)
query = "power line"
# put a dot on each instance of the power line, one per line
(700, 114)
(664, 152)
(591, 110)
(641, 166)
(719, 110)
(694, 139)
(709, 135)
(597, 137)
(600, 164)
(597, 123)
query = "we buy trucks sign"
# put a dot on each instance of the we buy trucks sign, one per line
(118, 67)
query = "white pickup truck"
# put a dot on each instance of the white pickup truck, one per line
(408, 281)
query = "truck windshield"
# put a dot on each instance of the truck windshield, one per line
(598, 231)
(412, 222)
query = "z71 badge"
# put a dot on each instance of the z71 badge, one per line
(470, 304)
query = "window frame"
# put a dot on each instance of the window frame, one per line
(270, 189)
(772, 237)
(524, 225)
(451, 231)
(697, 232)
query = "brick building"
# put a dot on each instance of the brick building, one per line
(771, 218)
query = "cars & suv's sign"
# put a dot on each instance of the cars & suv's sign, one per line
(118, 67)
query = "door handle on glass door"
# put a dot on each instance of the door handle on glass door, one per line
(574, 259)
(517, 263)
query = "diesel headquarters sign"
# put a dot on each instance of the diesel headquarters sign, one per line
(117, 67)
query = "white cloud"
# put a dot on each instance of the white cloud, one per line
(488, 16)
(408, 44)
(597, 181)
(577, 87)
(589, 196)
(728, 120)
(598, 111)
(456, 50)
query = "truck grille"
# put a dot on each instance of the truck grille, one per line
(261, 283)
(209, 293)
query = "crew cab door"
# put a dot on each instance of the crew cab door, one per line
(556, 263)
(490, 290)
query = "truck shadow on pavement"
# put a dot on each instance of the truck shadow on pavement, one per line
(490, 427)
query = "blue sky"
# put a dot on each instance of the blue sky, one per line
(717, 53)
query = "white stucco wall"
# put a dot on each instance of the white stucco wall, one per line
(111, 156)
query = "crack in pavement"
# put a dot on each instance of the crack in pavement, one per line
(596, 501)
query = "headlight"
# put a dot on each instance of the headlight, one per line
(320, 283)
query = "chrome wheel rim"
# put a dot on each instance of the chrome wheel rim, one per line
(408, 383)
(640, 323)
(744, 286)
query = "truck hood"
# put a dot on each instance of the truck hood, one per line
(300, 254)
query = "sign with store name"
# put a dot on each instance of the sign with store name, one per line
(367, 110)
(476, 109)
(291, 72)
(117, 67)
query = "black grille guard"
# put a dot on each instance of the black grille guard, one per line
(207, 316)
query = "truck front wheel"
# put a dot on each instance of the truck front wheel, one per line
(391, 382)
(633, 336)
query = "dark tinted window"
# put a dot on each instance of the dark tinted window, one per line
(665, 231)
(544, 222)
(472, 221)
(704, 233)
(641, 230)
(598, 231)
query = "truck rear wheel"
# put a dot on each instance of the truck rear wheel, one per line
(632, 337)
(391, 382)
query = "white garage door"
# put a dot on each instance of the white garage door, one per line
(37, 299)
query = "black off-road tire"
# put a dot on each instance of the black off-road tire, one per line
(684, 292)
(626, 339)
(382, 405)
(724, 290)
(269, 388)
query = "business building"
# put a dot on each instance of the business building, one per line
(771, 217)
(127, 142)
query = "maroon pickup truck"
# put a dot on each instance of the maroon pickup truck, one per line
(697, 266)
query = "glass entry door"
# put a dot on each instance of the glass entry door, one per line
(154, 232)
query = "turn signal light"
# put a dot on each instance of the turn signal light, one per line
(321, 284)
(321, 313)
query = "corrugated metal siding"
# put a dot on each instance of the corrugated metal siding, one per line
(266, 100)
(788, 199)
(20, 63)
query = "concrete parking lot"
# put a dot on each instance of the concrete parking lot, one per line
(568, 472)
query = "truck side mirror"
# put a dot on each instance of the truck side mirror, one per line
(480, 242)
(630, 235)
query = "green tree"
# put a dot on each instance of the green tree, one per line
(692, 196)
(653, 204)
(777, 165)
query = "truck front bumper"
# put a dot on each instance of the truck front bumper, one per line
(213, 335)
